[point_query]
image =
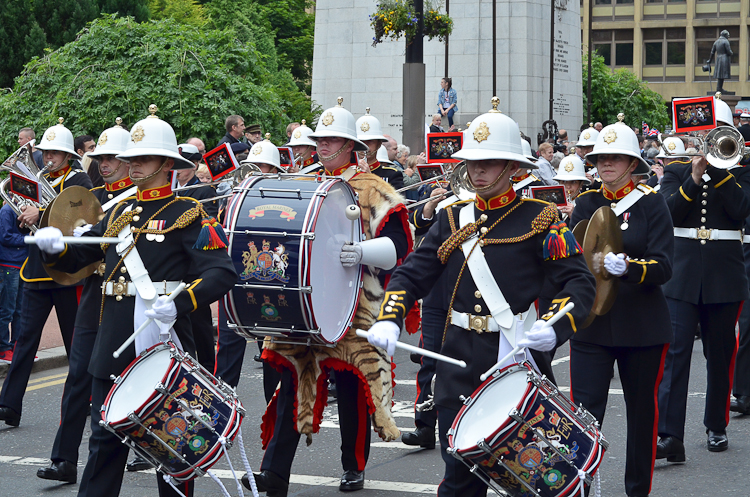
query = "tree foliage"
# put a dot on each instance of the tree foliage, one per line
(117, 67)
(183, 11)
(20, 39)
(618, 91)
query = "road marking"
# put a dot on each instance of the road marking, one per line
(412, 383)
(63, 377)
(561, 360)
(45, 385)
(52, 377)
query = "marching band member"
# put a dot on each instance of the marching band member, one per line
(369, 133)
(571, 175)
(638, 341)
(524, 179)
(708, 208)
(584, 145)
(302, 394)
(172, 243)
(77, 391)
(40, 292)
(303, 147)
(524, 246)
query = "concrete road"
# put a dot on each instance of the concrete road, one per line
(393, 468)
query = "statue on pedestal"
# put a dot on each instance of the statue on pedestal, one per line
(723, 59)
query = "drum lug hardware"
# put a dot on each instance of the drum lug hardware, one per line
(454, 453)
(465, 400)
(115, 379)
(160, 388)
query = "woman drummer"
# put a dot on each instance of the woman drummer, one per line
(636, 331)
(572, 175)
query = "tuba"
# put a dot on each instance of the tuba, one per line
(22, 163)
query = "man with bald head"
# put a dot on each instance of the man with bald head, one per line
(198, 143)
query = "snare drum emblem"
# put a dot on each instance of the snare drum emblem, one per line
(268, 311)
(267, 264)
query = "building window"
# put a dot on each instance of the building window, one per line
(610, 2)
(705, 9)
(616, 46)
(664, 54)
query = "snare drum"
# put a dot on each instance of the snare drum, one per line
(523, 437)
(285, 236)
(172, 412)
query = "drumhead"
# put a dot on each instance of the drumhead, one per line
(490, 407)
(139, 384)
(335, 287)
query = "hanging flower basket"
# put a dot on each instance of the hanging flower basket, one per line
(436, 24)
(394, 19)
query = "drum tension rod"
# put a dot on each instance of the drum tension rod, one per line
(164, 444)
(482, 444)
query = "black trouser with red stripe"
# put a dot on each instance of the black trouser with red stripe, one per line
(37, 304)
(108, 455)
(203, 334)
(458, 481)
(433, 322)
(230, 352)
(719, 348)
(742, 365)
(354, 422)
(640, 368)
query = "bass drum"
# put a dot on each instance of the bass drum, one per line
(285, 236)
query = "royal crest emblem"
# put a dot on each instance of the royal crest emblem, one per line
(365, 127)
(327, 119)
(482, 132)
(298, 134)
(257, 150)
(266, 264)
(268, 311)
(102, 139)
(610, 137)
(568, 167)
(671, 146)
(586, 135)
(138, 134)
(50, 136)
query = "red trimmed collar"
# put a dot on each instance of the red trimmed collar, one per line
(308, 162)
(516, 179)
(61, 172)
(154, 193)
(118, 185)
(336, 172)
(619, 194)
(374, 165)
(501, 200)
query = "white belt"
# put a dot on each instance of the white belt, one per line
(708, 234)
(127, 288)
(480, 324)
(746, 239)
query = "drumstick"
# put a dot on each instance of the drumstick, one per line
(417, 350)
(30, 240)
(147, 322)
(568, 307)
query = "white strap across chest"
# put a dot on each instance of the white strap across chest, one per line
(628, 201)
(127, 193)
(138, 273)
(524, 182)
(482, 275)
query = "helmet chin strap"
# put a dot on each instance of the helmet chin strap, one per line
(491, 185)
(106, 176)
(146, 179)
(335, 154)
(620, 177)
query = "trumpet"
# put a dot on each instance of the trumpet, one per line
(723, 147)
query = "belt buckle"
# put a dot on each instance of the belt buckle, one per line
(704, 234)
(478, 323)
(120, 288)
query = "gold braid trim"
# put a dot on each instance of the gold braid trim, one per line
(540, 224)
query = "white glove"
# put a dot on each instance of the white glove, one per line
(384, 334)
(541, 337)
(162, 310)
(350, 255)
(615, 264)
(80, 230)
(49, 240)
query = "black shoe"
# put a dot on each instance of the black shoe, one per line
(60, 471)
(332, 392)
(352, 480)
(11, 417)
(268, 482)
(741, 405)
(138, 464)
(670, 448)
(717, 442)
(415, 358)
(423, 436)
(257, 358)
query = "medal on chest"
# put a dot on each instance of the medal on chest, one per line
(157, 225)
(625, 218)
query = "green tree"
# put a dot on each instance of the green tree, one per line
(61, 20)
(117, 67)
(20, 39)
(184, 11)
(618, 91)
(138, 9)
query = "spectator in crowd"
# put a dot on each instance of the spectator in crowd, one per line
(402, 152)
(203, 174)
(736, 118)
(13, 251)
(546, 171)
(198, 143)
(411, 176)
(744, 127)
(235, 126)
(392, 147)
(240, 151)
(290, 129)
(598, 126)
(83, 145)
(253, 134)
(447, 100)
(25, 135)
(436, 122)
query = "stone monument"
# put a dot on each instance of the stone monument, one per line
(723, 67)
(346, 64)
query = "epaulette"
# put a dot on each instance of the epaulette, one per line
(645, 188)
(535, 200)
(96, 188)
(560, 242)
(212, 234)
(384, 166)
(546, 218)
(459, 202)
(589, 191)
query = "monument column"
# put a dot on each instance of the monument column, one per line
(414, 87)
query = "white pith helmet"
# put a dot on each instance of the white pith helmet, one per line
(571, 169)
(112, 141)
(588, 136)
(527, 150)
(300, 136)
(618, 138)
(264, 152)
(190, 152)
(152, 136)
(338, 122)
(58, 137)
(675, 146)
(382, 156)
(493, 136)
(368, 128)
(722, 110)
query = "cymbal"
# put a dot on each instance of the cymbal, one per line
(603, 235)
(74, 207)
(580, 231)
